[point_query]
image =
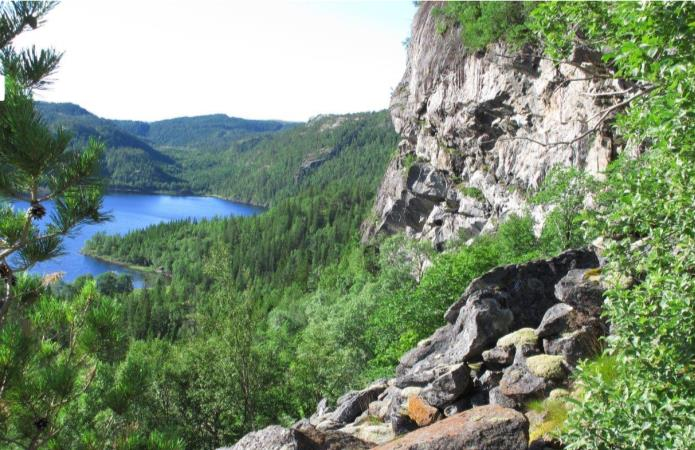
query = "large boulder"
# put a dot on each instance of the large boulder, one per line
(530, 287)
(504, 299)
(576, 345)
(354, 403)
(273, 437)
(448, 387)
(303, 436)
(582, 290)
(371, 432)
(482, 428)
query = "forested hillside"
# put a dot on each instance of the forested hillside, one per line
(317, 209)
(251, 161)
(130, 162)
(212, 132)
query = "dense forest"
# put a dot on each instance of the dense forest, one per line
(244, 160)
(263, 316)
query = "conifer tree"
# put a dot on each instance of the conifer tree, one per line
(54, 353)
(36, 163)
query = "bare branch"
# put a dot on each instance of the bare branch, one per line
(602, 116)
(608, 94)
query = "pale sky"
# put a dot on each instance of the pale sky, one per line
(155, 59)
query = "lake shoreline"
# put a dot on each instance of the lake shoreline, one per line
(133, 267)
(189, 194)
(132, 211)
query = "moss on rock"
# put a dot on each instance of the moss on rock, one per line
(519, 337)
(547, 366)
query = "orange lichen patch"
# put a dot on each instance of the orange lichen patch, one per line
(421, 412)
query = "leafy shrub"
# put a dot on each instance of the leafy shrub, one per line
(485, 22)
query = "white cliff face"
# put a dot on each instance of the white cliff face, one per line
(479, 130)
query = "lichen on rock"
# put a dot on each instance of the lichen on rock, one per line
(547, 366)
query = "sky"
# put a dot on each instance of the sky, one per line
(157, 59)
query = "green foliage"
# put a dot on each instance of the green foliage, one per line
(554, 412)
(472, 192)
(110, 283)
(647, 401)
(408, 161)
(482, 23)
(568, 190)
(52, 353)
(265, 169)
(212, 132)
(35, 162)
(640, 394)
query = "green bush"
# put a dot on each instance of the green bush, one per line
(483, 23)
(641, 393)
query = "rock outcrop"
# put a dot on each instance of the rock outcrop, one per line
(483, 428)
(508, 339)
(302, 436)
(478, 129)
(515, 335)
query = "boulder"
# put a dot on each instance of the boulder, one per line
(310, 438)
(480, 323)
(303, 436)
(483, 428)
(547, 366)
(524, 336)
(581, 289)
(576, 345)
(558, 319)
(520, 384)
(522, 343)
(530, 287)
(371, 432)
(504, 299)
(448, 387)
(417, 377)
(421, 412)
(354, 403)
(273, 437)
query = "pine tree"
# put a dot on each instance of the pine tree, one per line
(36, 164)
(55, 353)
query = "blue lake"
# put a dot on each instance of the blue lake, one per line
(131, 212)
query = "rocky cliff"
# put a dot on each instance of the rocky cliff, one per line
(479, 129)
